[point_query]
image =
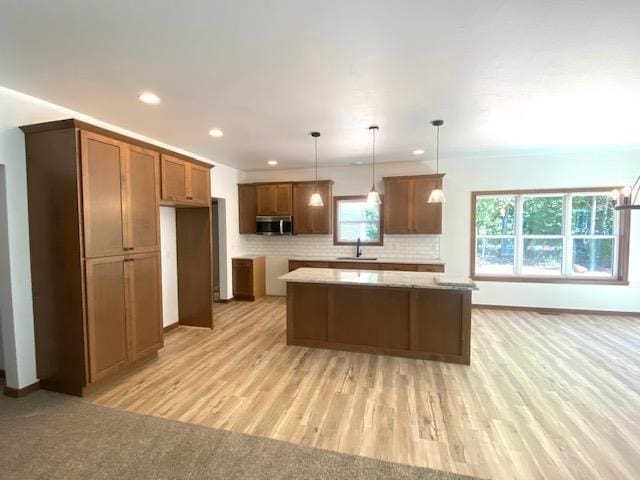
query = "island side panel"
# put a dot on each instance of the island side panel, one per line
(441, 324)
(307, 313)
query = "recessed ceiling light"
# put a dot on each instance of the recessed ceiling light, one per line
(215, 132)
(149, 97)
(418, 151)
(356, 163)
(272, 162)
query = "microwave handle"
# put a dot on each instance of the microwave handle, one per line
(281, 227)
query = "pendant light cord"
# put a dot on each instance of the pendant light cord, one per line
(316, 148)
(373, 171)
(438, 149)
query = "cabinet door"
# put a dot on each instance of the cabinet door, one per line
(174, 179)
(302, 212)
(242, 281)
(145, 303)
(248, 208)
(427, 217)
(398, 206)
(198, 190)
(107, 282)
(284, 199)
(266, 199)
(321, 218)
(143, 200)
(103, 196)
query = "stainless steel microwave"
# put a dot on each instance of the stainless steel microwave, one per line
(279, 225)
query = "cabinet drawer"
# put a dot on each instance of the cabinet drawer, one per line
(400, 267)
(295, 264)
(241, 263)
(431, 268)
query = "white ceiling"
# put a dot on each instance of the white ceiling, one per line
(507, 76)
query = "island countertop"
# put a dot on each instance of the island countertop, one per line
(379, 278)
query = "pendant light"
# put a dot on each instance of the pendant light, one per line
(316, 199)
(437, 195)
(373, 197)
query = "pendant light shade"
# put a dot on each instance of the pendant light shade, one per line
(437, 195)
(316, 200)
(373, 198)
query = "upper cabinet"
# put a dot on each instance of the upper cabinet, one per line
(308, 219)
(185, 182)
(121, 193)
(406, 210)
(247, 208)
(274, 199)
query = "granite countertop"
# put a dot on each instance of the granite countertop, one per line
(434, 261)
(246, 257)
(379, 278)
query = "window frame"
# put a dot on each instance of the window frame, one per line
(621, 242)
(336, 220)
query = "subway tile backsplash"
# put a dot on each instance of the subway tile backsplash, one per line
(396, 247)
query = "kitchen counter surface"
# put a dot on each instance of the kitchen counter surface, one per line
(246, 257)
(380, 278)
(435, 261)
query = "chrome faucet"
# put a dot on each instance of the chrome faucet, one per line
(358, 248)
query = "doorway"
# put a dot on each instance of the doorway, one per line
(219, 254)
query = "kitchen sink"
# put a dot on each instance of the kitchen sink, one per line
(357, 258)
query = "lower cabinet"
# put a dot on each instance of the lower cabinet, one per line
(248, 278)
(124, 312)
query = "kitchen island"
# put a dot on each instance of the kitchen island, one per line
(407, 314)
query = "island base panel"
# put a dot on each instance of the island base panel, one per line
(429, 324)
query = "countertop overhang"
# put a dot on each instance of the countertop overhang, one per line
(379, 278)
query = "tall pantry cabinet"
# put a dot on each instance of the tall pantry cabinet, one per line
(94, 227)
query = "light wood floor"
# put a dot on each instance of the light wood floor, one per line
(549, 397)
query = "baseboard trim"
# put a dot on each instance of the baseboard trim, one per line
(244, 298)
(168, 328)
(21, 392)
(553, 311)
(223, 300)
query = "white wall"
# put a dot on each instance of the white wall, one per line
(168, 252)
(224, 184)
(16, 312)
(584, 169)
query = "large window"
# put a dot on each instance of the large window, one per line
(355, 218)
(548, 235)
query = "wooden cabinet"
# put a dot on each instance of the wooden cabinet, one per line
(121, 195)
(406, 210)
(247, 208)
(94, 201)
(124, 318)
(107, 319)
(248, 278)
(145, 303)
(274, 199)
(364, 265)
(104, 169)
(143, 200)
(185, 182)
(313, 220)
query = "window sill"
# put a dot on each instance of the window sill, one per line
(362, 244)
(529, 279)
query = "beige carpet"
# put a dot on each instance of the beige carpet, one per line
(47, 435)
